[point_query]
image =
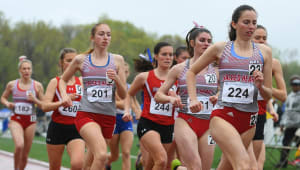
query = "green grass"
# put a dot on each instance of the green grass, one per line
(39, 152)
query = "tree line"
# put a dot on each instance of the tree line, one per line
(41, 43)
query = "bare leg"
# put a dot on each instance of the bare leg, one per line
(232, 144)
(145, 156)
(187, 144)
(75, 150)
(206, 151)
(152, 143)
(126, 144)
(91, 132)
(252, 157)
(55, 153)
(261, 157)
(170, 149)
(88, 159)
(28, 138)
(114, 149)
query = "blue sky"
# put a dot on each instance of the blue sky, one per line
(281, 18)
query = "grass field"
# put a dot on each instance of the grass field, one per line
(39, 152)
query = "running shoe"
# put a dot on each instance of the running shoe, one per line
(138, 163)
(175, 163)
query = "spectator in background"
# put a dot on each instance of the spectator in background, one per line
(290, 119)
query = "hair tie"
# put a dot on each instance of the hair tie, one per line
(21, 58)
(145, 57)
(197, 25)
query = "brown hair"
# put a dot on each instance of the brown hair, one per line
(235, 17)
(62, 54)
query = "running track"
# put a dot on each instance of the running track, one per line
(6, 162)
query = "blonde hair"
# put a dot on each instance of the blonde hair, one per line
(23, 59)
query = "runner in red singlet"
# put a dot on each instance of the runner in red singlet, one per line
(155, 127)
(61, 130)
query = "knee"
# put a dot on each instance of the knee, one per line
(126, 155)
(195, 164)
(100, 157)
(114, 157)
(254, 167)
(161, 160)
(77, 164)
(19, 146)
(244, 163)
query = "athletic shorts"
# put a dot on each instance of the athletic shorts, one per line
(24, 120)
(106, 122)
(165, 131)
(121, 125)
(241, 121)
(61, 134)
(199, 126)
(260, 126)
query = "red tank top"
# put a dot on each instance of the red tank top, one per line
(67, 115)
(156, 112)
(262, 107)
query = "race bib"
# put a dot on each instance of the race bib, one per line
(237, 92)
(70, 111)
(79, 90)
(259, 97)
(210, 140)
(210, 78)
(207, 105)
(253, 119)
(33, 118)
(253, 67)
(30, 91)
(23, 108)
(161, 109)
(99, 94)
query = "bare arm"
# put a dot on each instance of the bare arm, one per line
(264, 83)
(6, 93)
(119, 102)
(136, 108)
(48, 103)
(279, 92)
(39, 95)
(272, 111)
(210, 55)
(162, 96)
(136, 85)
(74, 66)
(120, 79)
